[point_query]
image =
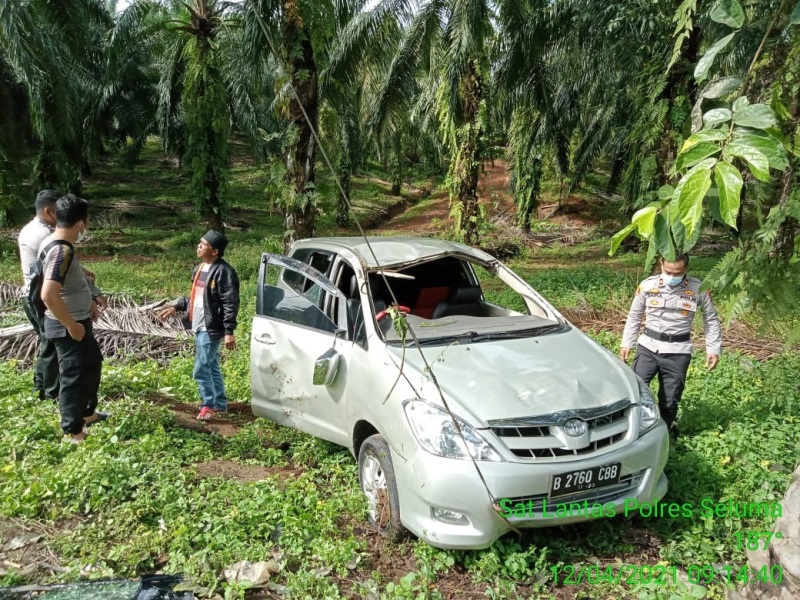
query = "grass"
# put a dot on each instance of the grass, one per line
(131, 501)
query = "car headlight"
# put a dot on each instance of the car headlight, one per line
(649, 408)
(436, 432)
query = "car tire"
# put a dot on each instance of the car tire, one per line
(378, 483)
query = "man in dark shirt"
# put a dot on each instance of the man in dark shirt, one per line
(213, 307)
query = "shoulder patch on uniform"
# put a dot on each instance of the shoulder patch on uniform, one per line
(64, 260)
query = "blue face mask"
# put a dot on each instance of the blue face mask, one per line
(672, 281)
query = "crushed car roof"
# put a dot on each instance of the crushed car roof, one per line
(394, 250)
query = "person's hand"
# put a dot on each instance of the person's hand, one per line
(102, 301)
(624, 354)
(167, 312)
(76, 331)
(94, 312)
(230, 342)
(711, 361)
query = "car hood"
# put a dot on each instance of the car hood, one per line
(513, 378)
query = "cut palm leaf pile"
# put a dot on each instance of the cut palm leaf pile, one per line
(125, 329)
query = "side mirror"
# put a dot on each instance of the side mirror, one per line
(326, 367)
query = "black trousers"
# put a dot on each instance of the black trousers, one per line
(45, 373)
(671, 370)
(79, 365)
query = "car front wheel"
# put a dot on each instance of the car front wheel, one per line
(376, 474)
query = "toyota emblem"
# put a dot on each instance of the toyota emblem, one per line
(575, 427)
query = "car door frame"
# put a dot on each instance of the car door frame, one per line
(322, 414)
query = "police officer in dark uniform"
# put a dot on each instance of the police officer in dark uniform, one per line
(668, 303)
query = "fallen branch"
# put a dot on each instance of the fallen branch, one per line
(124, 329)
(738, 336)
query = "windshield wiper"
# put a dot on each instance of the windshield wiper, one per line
(474, 336)
(508, 335)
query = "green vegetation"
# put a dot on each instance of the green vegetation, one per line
(656, 118)
(136, 498)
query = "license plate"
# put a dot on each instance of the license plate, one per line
(583, 480)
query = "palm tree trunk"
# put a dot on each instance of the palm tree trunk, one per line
(530, 188)
(786, 241)
(617, 168)
(397, 165)
(46, 169)
(470, 156)
(300, 216)
(468, 191)
(681, 82)
(344, 169)
(206, 151)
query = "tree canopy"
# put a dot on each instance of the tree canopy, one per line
(691, 108)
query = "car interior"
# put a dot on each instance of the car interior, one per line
(432, 290)
(435, 289)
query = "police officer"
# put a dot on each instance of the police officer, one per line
(668, 302)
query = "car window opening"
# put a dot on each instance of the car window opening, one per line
(446, 297)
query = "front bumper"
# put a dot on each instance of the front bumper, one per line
(425, 481)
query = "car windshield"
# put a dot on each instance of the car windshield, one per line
(451, 299)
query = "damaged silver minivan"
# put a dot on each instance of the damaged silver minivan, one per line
(471, 404)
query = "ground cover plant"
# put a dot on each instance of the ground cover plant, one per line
(145, 493)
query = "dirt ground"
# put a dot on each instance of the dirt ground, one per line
(185, 413)
(229, 469)
(25, 546)
(496, 197)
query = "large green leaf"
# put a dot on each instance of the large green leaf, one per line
(652, 251)
(729, 187)
(755, 115)
(701, 71)
(672, 211)
(706, 164)
(720, 87)
(795, 18)
(728, 12)
(690, 203)
(617, 238)
(704, 135)
(740, 103)
(695, 154)
(764, 142)
(691, 238)
(713, 205)
(644, 219)
(716, 116)
(683, 241)
(665, 192)
(663, 237)
(755, 159)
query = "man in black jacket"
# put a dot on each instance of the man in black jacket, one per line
(212, 307)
